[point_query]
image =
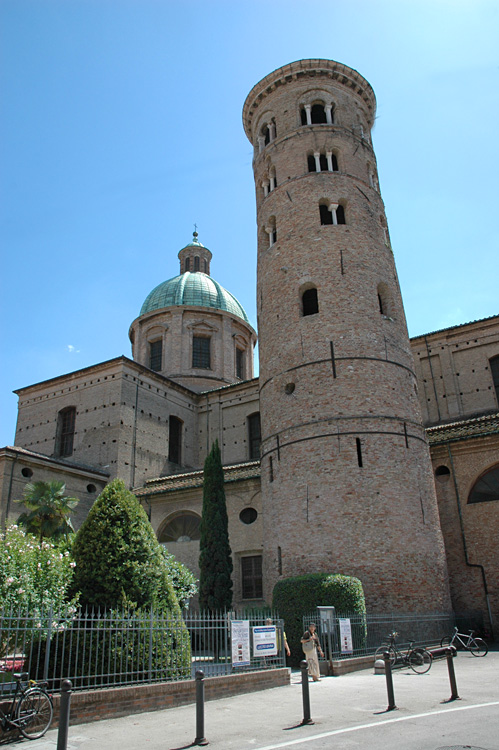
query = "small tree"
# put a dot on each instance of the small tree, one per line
(183, 580)
(215, 561)
(118, 558)
(50, 509)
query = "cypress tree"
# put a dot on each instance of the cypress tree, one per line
(215, 561)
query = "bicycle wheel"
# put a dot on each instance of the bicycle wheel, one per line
(420, 660)
(446, 641)
(34, 713)
(378, 654)
(478, 647)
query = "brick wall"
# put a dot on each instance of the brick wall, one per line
(93, 705)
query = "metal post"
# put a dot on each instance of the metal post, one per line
(452, 675)
(389, 681)
(64, 706)
(305, 693)
(200, 738)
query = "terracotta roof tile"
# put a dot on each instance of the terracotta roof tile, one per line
(235, 473)
(466, 428)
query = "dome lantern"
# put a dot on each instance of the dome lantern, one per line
(195, 257)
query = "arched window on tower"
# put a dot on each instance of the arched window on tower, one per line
(187, 264)
(318, 114)
(196, 263)
(332, 213)
(309, 302)
(65, 431)
(271, 231)
(322, 162)
(384, 300)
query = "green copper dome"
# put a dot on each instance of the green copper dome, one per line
(193, 290)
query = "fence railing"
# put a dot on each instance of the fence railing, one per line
(109, 648)
(369, 631)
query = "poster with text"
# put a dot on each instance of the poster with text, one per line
(265, 640)
(240, 638)
(345, 635)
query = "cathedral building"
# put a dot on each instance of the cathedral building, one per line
(356, 450)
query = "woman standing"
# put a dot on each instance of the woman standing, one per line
(310, 644)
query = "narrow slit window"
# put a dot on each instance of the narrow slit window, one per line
(494, 369)
(254, 435)
(251, 577)
(175, 440)
(156, 355)
(201, 355)
(66, 429)
(359, 451)
(240, 364)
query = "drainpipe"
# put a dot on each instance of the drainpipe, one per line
(468, 563)
(134, 437)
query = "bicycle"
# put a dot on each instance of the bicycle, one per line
(31, 709)
(477, 646)
(418, 659)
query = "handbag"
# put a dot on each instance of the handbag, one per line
(308, 646)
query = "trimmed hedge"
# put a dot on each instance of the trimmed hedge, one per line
(298, 596)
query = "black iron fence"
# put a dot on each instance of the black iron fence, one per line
(348, 634)
(109, 648)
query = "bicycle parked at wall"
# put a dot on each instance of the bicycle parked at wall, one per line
(31, 709)
(477, 646)
(418, 659)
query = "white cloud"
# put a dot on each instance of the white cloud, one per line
(72, 349)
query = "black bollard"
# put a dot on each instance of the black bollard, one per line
(452, 675)
(305, 693)
(389, 681)
(64, 706)
(200, 738)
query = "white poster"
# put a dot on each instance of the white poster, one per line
(265, 640)
(240, 638)
(345, 635)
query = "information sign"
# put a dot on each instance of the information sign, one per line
(345, 635)
(265, 640)
(240, 639)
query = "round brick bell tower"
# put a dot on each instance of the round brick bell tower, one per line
(346, 476)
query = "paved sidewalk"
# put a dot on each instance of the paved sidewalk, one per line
(349, 712)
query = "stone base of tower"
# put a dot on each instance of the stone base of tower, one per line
(378, 522)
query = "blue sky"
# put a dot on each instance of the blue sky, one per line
(121, 127)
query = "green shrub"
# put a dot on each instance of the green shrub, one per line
(298, 596)
(118, 558)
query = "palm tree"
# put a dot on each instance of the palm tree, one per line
(50, 509)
